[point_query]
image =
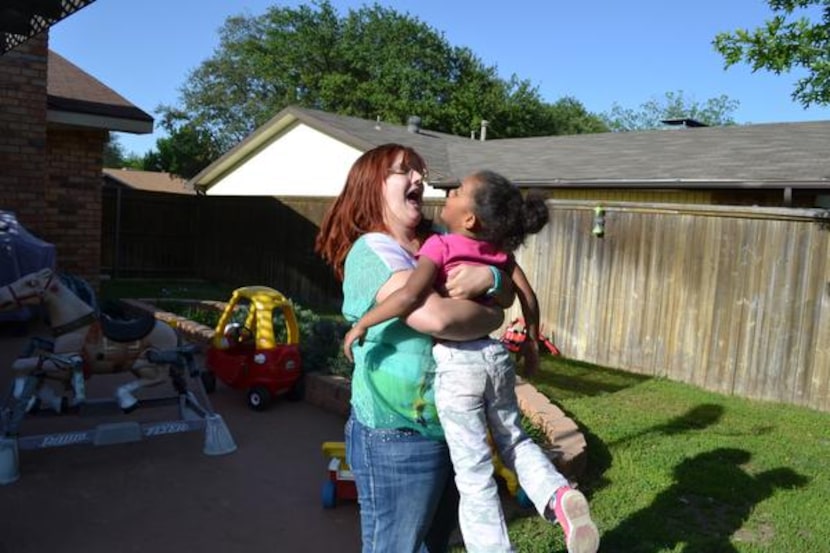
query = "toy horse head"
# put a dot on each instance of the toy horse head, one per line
(27, 290)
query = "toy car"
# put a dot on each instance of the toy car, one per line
(516, 333)
(340, 483)
(256, 347)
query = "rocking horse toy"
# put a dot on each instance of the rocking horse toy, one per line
(97, 344)
(88, 343)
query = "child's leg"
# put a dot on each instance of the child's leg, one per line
(459, 389)
(546, 487)
(537, 475)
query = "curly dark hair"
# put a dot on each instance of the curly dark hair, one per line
(506, 216)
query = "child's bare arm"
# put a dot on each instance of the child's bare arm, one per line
(399, 303)
(530, 312)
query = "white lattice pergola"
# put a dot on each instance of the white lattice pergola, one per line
(23, 19)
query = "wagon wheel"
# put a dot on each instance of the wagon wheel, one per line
(329, 494)
(258, 398)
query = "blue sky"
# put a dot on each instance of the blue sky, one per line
(600, 52)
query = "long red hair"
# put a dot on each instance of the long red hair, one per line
(359, 207)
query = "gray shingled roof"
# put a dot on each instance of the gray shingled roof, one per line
(750, 154)
(774, 155)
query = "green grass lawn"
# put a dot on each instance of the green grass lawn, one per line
(672, 468)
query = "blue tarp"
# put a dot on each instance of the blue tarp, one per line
(21, 253)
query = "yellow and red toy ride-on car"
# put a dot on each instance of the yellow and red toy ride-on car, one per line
(256, 347)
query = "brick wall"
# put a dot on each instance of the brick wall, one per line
(72, 201)
(23, 130)
(50, 176)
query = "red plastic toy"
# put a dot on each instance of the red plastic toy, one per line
(256, 347)
(516, 333)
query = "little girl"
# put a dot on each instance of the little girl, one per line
(487, 219)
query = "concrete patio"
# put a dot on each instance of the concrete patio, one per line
(165, 495)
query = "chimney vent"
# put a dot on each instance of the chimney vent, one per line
(484, 123)
(413, 124)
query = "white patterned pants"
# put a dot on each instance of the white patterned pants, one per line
(475, 390)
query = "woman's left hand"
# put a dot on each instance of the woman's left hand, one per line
(468, 281)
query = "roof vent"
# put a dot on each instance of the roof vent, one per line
(413, 124)
(484, 123)
(687, 122)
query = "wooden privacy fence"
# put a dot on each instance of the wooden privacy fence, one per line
(732, 299)
(234, 240)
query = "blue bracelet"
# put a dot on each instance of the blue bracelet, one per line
(496, 282)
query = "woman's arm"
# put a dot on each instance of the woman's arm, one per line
(399, 303)
(447, 318)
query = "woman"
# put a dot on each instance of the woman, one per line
(394, 442)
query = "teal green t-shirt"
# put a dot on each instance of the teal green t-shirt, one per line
(392, 383)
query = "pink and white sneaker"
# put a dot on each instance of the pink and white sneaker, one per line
(573, 514)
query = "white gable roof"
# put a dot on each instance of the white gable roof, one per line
(301, 162)
(298, 154)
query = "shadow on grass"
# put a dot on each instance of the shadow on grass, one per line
(564, 378)
(599, 452)
(710, 500)
(696, 418)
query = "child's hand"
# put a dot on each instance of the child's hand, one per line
(530, 356)
(356, 333)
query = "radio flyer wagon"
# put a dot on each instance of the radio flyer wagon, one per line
(256, 347)
(340, 483)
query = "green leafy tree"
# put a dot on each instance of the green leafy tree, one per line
(674, 105)
(115, 156)
(186, 150)
(113, 152)
(791, 39)
(373, 62)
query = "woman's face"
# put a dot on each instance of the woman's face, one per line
(403, 195)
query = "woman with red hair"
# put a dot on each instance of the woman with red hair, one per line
(394, 442)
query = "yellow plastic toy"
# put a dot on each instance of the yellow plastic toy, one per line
(256, 346)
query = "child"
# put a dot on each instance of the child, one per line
(487, 218)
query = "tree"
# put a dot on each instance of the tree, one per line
(114, 155)
(374, 62)
(187, 150)
(714, 112)
(786, 42)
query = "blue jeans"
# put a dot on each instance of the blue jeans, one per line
(408, 502)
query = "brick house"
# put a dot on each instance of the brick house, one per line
(54, 122)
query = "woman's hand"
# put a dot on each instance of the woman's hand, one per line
(468, 281)
(472, 281)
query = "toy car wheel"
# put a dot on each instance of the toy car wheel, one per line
(523, 500)
(297, 391)
(329, 494)
(208, 381)
(258, 398)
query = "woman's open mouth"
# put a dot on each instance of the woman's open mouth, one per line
(415, 196)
